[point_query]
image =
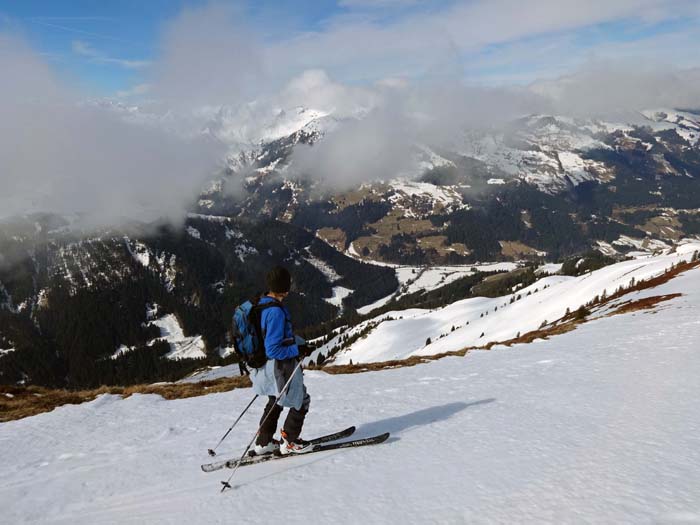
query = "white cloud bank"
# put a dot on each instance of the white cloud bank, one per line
(62, 156)
(59, 155)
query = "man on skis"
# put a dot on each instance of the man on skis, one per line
(282, 359)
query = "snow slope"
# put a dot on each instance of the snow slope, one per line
(339, 292)
(416, 278)
(599, 425)
(181, 347)
(480, 320)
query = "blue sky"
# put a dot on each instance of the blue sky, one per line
(110, 47)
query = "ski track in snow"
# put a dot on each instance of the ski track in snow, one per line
(597, 425)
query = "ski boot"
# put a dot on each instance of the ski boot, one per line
(298, 446)
(261, 450)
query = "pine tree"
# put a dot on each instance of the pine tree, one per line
(582, 313)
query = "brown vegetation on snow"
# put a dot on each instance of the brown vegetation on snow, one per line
(17, 402)
(643, 304)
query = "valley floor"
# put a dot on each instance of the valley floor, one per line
(597, 425)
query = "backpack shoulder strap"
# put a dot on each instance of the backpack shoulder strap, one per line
(257, 310)
(274, 303)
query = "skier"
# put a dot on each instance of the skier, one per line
(282, 354)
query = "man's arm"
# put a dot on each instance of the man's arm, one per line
(276, 347)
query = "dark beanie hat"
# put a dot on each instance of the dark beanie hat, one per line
(279, 280)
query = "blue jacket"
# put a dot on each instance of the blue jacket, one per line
(276, 324)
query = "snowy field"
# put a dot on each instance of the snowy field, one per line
(599, 425)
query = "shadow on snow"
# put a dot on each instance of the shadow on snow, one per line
(425, 416)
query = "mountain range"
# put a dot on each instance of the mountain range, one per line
(80, 307)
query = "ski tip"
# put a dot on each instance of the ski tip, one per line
(383, 437)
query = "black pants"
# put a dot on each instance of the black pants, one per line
(292, 425)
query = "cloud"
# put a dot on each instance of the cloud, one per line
(315, 89)
(370, 149)
(608, 88)
(364, 48)
(404, 116)
(209, 56)
(381, 144)
(84, 49)
(60, 155)
(212, 55)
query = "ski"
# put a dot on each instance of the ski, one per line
(230, 463)
(374, 440)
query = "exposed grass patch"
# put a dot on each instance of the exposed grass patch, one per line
(333, 236)
(383, 365)
(643, 304)
(17, 402)
(516, 249)
(557, 328)
(665, 226)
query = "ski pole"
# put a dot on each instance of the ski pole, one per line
(212, 451)
(227, 484)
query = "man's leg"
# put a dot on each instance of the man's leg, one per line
(295, 419)
(268, 426)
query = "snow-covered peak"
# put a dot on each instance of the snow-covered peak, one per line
(686, 124)
(252, 124)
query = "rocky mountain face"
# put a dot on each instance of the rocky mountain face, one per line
(546, 186)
